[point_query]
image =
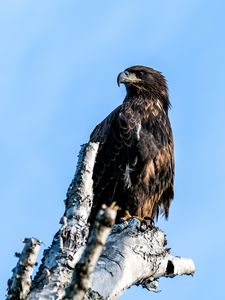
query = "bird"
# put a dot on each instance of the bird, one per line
(134, 166)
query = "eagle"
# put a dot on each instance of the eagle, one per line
(134, 166)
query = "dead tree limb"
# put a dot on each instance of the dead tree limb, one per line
(59, 260)
(135, 257)
(131, 255)
(81, 280)
(19, 284)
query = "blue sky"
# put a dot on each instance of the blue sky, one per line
(58, 66)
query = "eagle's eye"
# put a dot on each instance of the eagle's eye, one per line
(142, 75)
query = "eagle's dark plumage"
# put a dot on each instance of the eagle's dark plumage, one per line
(135, 162)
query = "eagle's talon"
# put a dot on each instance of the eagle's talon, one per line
(115, 206)
(127, 216)
(149, 221)
(145, 222)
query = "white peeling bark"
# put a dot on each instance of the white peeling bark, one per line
(81, 280)
(132, 254)
(134, 257)
(59, 260)
(19, 284)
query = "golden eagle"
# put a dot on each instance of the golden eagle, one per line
(134, 166)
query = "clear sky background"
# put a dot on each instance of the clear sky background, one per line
(58, 66)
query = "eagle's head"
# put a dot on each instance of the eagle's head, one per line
(145, 82)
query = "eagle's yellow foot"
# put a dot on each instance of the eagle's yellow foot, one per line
(127, 216)
(115, 206)
(145, 221)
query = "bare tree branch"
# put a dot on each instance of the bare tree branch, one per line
(132, 254)
(59, 260)
(81, 280)
(19, 284)
(135, 257)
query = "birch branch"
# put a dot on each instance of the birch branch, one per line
(19, 284)
(59, 260)
(81, 280)
(134, 257)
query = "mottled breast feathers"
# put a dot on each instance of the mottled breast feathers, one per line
(135, 162)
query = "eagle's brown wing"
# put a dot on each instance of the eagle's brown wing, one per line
(154, 189)
(116, 137)
(100, 133)
(134, 164)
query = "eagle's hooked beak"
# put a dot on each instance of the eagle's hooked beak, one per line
(126, 77)
(123, 77)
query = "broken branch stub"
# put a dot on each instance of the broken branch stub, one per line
(20, 283)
